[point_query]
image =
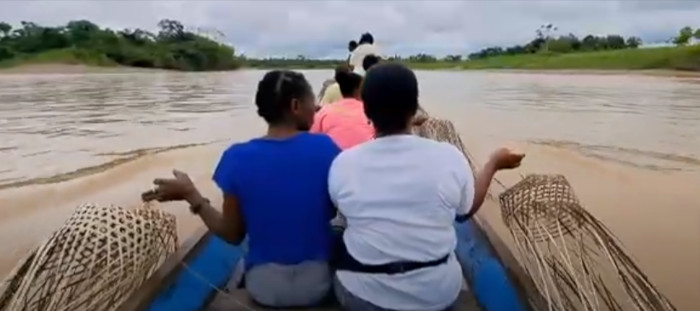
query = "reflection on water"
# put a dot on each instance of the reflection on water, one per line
(55, 124)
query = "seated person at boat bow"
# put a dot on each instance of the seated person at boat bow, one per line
(400, 194)
(331, 93)
(365, 47)
(275, 191)
(345, 121)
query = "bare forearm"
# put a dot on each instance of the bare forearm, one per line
(214, 220)
(481, 185)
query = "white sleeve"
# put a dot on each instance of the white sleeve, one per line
(466, 177)
(333, 182)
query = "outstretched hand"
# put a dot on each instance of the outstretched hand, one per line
(504, 159)
(172, 189)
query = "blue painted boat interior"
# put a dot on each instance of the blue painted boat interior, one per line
(215, 262)
(487, 277)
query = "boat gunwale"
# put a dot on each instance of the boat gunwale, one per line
(164, 276)
(525, 288)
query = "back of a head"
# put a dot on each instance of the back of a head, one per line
(390, 96)
(369, 61)
(366, 38)
(349, 82)
(342, 68)
(352, 45)
(276, 91)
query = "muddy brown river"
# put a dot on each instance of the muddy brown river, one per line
(629, 145)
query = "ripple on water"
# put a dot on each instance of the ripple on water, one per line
(77, 116)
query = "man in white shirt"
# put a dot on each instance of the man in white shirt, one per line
(365, 47)
(400, 195)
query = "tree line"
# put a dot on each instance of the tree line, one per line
(546, 42)
(684, 35)
(173, 47)
(301, 61)
(176, 47)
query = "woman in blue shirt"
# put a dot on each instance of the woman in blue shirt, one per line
(275, 192)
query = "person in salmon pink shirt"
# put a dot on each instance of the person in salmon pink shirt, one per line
(345, 120)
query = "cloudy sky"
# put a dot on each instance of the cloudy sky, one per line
(322, 29)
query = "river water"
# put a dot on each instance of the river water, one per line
(629, 144)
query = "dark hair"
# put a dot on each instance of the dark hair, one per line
(276, 91)
(366, 38)
(349, 82)
(369, 61)
(390, 96)
(352, 45)
(342, 68)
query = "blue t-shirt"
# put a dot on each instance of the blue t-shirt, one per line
(282, 189)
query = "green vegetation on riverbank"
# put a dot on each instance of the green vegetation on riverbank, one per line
(673, 58)
(670, 58)
(82, 42)
(174, 47)
(549, 51)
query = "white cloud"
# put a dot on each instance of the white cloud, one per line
(322, 28)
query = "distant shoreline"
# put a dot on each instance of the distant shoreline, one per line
(58, 68)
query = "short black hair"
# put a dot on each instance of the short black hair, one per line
(352, 45)
(366, 38)
(276, 91)
(348, 82)
(369, 61)
(390, 97)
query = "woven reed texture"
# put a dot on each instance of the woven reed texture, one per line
(574, 260)
(93, 262)
(443, 131)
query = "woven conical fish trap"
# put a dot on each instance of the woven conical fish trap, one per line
(93, 262)
(574, 260)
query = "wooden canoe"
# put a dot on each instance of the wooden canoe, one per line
(194, 278)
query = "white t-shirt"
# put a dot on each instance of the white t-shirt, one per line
(400, 195)
(358, 56)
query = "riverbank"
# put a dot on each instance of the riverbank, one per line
(63, 68)
(85, 43)
(58, 68)
(670, 59)
(667, 58)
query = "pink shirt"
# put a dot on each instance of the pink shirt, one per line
(345, 122)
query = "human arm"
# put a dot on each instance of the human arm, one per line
(501, 159)
(482, 182)
(228, 225)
